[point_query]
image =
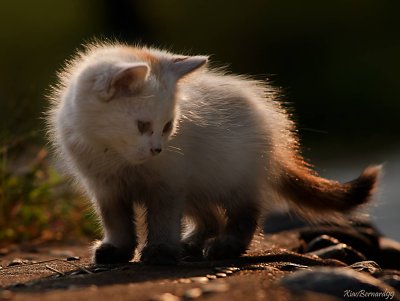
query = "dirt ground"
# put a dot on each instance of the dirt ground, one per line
(65, 272)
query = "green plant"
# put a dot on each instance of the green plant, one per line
(36, 203)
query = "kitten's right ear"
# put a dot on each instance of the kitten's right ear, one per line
(181, 66)
(126, 81)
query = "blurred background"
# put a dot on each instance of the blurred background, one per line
(336, 63)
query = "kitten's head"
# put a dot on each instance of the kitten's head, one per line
(125, 99)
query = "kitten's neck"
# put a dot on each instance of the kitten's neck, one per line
(98, 158)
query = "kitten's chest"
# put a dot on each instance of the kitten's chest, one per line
(148, 181)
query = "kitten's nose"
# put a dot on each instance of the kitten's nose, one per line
(155, 151)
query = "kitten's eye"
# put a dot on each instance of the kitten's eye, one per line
(167, 127)
(143, 126)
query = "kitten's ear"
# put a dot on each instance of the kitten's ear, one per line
(180, 66)
(127, 80)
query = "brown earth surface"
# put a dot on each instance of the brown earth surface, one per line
(64, 272)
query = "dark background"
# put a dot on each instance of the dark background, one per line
(337, 62)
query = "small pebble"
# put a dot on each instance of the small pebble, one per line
(369, 266)
(215, 288)
(73, 258)
(211, 277)
(17, 261)
(220, 275)
(227, 272)
(193, 293)
(199, 279)
(184, 280)
(233, 269)
(165, 297)
(219, 269)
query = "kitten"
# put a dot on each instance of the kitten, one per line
(135, 124)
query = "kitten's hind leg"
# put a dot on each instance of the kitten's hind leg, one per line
(207, 223)
(120, 238)
(237, 235)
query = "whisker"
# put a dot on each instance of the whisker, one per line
(147, 96)
(175, 150)
(174, 147)
(179, 153)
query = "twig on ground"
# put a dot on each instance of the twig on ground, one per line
(54, 270)
(79, 267)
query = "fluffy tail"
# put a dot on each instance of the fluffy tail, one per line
(308, 191)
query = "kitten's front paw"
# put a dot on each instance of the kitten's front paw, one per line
(227, 247)
(160, 254)
(107, 253)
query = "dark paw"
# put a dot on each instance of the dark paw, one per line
(192, 252)
(224, 248)
(161, 254)
(108, 254)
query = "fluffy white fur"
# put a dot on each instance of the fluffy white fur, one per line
(230, 152)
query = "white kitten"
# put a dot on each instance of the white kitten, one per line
(142, 125)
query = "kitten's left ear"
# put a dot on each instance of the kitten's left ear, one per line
(127, 80)
(181, 66)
